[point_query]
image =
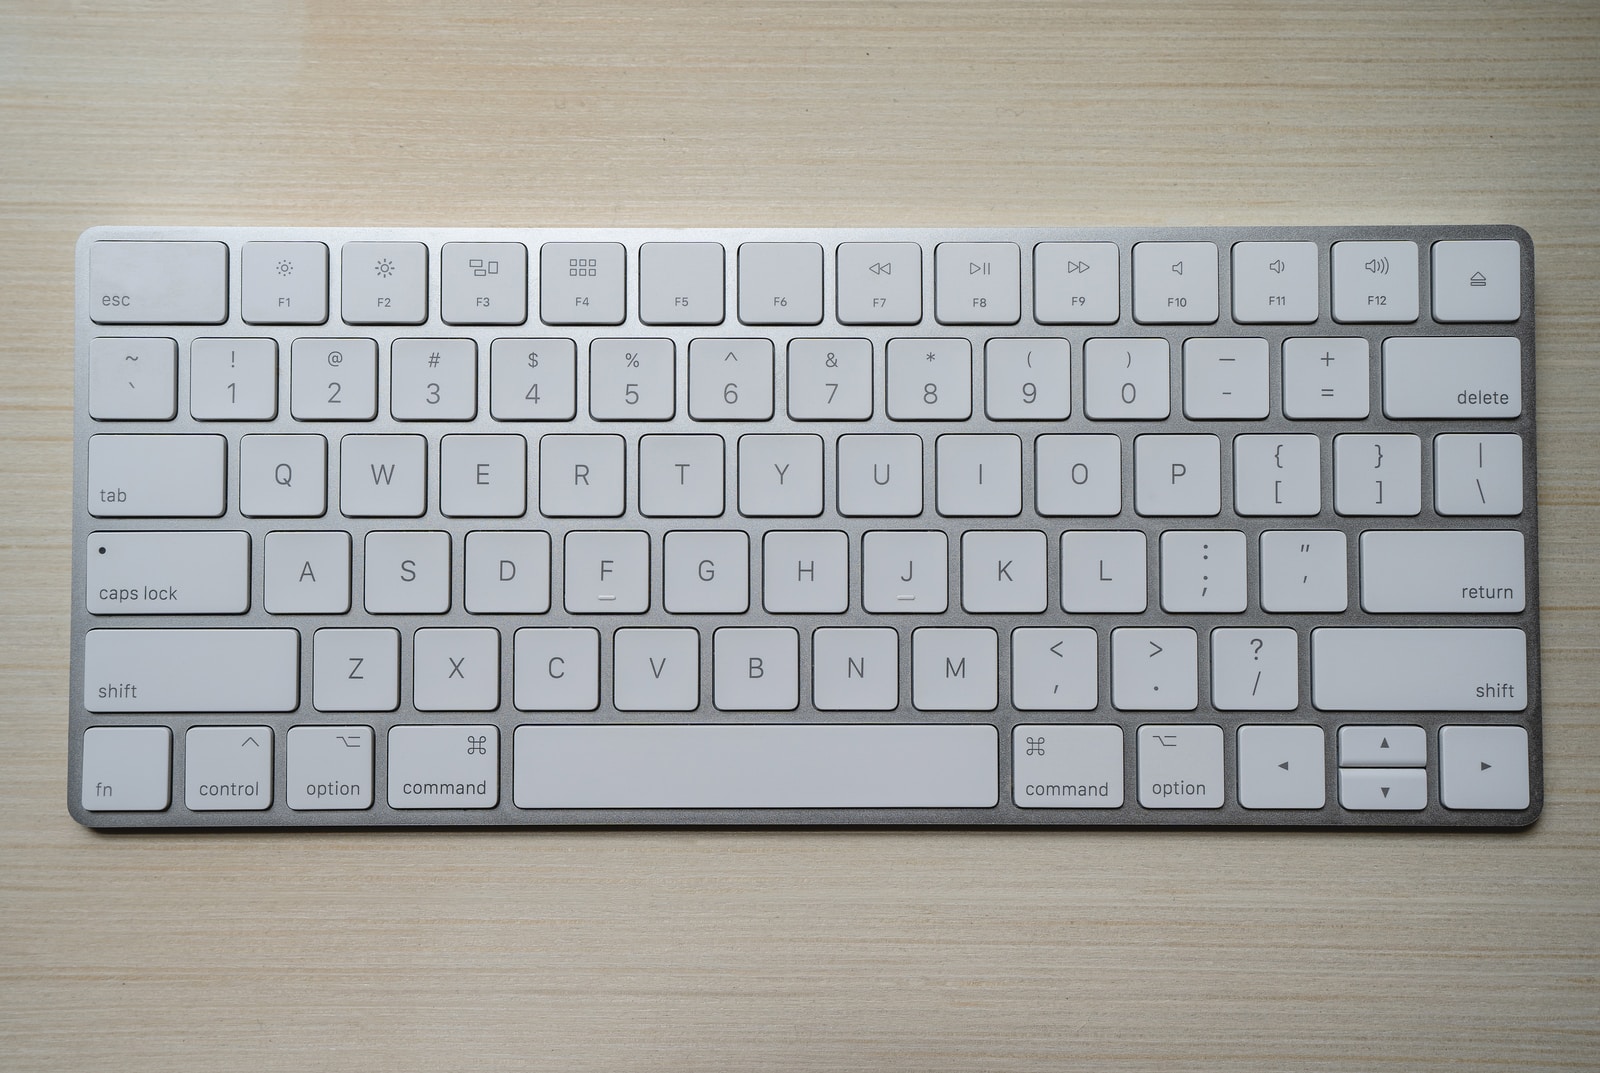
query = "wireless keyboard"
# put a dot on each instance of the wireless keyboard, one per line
(1033, 526)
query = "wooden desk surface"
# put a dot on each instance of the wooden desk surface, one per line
(881, 950)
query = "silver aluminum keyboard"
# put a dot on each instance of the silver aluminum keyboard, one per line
(1029, 526)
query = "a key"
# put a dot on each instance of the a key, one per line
(1304, 570)
(456, 670)
(1054, 669)
(227, 768)
(156, 476)
(507, 573)
(333, 380)
(1375, 475)
(1383, 746)
(1177, 475)
(385, 282)
(930, 379)
(1387, 790)
(607, 573)
(632, 380)
(880, 283)
(1255, 670)
(1483, 767)
(681, 476)
(978, 476)
(433, 380)
(1282, 767)
(582, 282)
(1465, 571)
(283, 476)
(855, 669)
(1375, 282)
(158, 282)
(1154, 668)
(285, 283)
(1477, 474)
(556, 669)
(133, 379)
(455, 766)
(830, 379)
(1202, 570)
(329, 767)
(1127, 379)
(656, 670)
(977, 282)
(307, 573)
(168, 573)
(383, 476)
(1027, 379)
(756, 669)
(1078, 475)
(581, 476)
(780, 476)
(1076, 283)
(1003, 571)
(1103, 571)
(356, 670)
(233, 379)
(407, 573)
(1277, 475)
(730, 379)
(1419, 669)
(904, 572)
(191, 670)
(533, 379)
(780, 283)
(1180, 765)
(706, 573)
(1175, 282)
(805, 572)
(126, 769)
(681, 283)
(483, 283)
(1075, 766)
(1275, 283)
(1455, 377)
(483, 476)
(1477, 281)
(1326, 378)
(880, 476)
(1225, 379)
(954, 669)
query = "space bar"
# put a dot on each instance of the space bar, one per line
(826, 765)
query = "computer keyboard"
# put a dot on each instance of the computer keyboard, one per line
(1029, 526)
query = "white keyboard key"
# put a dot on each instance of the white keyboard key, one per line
(168, 573)
(855, 670)
(1180, 766)
(333, 380)
(133, 379)
(456, 670)
(1304, 570)
(407, 573)
(1177, 475)
(1326, 378)
(805, 572)
(1175, 282)
(607, 573)
(1078, 476)
(977, 283)
(1477, 474)
(730, 379)
(681, 282)
(1375, 282)
(233, 379)
(508, 573)
(656, 670)
(385, 282)
(582, 283)
(533, 379)
(1282, 767)
(978, 476)
(307, 573)
(1225, 379)
(581, 476)
(1127, 379)
(756, 670)
(780, 283)
(383, 476)
(1420, 669)
(1054, 669)
(780, 476)
(191, 670)
(556, 670)
(157, 476)
(1454, 377)
(1027, 379)
(330, 767)
(1465, 571)
(954, 670)
(1076, 283)
(830, 379)
(1255, 670)
(1277, 475)
(483, 476)
(356, 670)
(1154, 668)
(433, 380)
(158, 282)
(929, 379)
(1375, 475)
(632, 380)
(126, 769)
(905, 572)
(1202, 570)
(1477, 281)
(706, 573)
(283, 476)
(1275, 282)
(227, 768)
(1076, 766)
(681, 476)
(1383, 746)
(1003, 571)
(444, 766)
(880, 283)
(1483, 767)
(285, 283)
(1103, 571)
(831, 765)
(1363, 790)
(880, 476)
(483, 283)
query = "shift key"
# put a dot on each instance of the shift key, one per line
(191, 670)
(160, 476)
(1421, 669)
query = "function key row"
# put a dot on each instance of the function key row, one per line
(783, 283)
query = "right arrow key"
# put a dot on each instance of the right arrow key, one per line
(1483, 767)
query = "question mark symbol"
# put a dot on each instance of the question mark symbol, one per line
(1255, 643)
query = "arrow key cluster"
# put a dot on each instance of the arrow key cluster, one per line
(1383, 768)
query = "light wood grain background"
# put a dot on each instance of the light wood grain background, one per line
(817, 951)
